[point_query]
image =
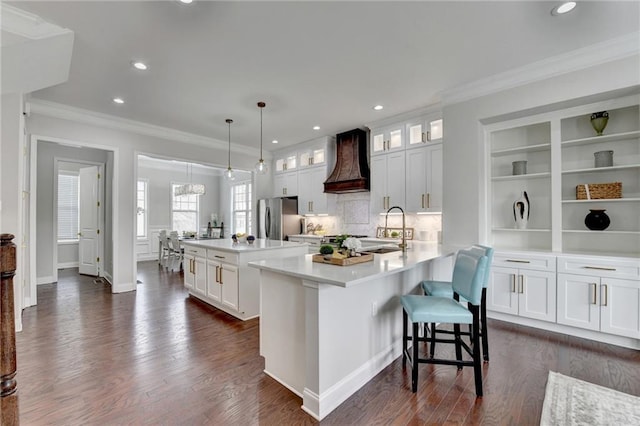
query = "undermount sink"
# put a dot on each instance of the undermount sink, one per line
(383, 250)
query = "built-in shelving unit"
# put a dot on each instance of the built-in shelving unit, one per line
(559, 148)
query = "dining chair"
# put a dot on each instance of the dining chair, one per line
(444, 289)
(468, 274)
(176, 252)
(163, 255)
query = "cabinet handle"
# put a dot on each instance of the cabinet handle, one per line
(428, 200)
(593, 293)
(424, 137)
(423, 201)
(521, 284)
(219, 257)
(606, 296)
(517, 261)
(428, 135)
(221, 276)
(600, 268)
(513, 283)
(217, 268)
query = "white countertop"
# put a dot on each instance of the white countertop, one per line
(228, 245)
(345, 276)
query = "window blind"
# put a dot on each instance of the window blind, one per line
(68, 206)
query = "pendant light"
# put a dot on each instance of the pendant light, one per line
(190, 188)
(261, 166)
(228, 174)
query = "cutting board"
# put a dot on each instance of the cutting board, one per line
(343, 262)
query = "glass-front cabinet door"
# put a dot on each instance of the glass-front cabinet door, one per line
(387, 139)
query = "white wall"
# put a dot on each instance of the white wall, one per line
(463, 139)
(47, 152)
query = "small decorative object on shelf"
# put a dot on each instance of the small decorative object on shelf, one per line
(519, 167)
(603, 158)
(521, 211)
(251, 239)
(599, 121)
(597, 220)
(599, 191)
(352, 245)
(327, 251)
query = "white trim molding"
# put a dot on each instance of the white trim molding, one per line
(66, 112)
(25, 24)
(585, 57)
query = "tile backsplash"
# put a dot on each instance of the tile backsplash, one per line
(353, 216)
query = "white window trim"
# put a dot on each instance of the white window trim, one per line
(57, 224)
(197, 210)
(247, 209)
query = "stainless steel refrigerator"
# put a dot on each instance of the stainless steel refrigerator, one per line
(278, 218)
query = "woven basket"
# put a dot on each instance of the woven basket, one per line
(599, 191)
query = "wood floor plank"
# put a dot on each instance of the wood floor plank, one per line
(158, 356)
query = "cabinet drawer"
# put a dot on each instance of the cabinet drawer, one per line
(223, 256)
(525, 261)
(602, 267)
(195, 251)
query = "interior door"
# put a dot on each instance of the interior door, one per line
(88, 253)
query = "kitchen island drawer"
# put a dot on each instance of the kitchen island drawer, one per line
(223, 256)
(195, 251)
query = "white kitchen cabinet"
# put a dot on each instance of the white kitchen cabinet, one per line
(600, 294)
(214, 291)
(424, 179)
(312, 199)
(387, 181)
(195, 270)
(285, 184)
(386, 139)
(313, 156)
(522, 292)
(422, 130)
(286, 162)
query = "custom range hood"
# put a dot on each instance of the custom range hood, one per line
(351, 173)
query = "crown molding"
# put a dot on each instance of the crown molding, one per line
(28, 25)
(66, 112)
(585, 57)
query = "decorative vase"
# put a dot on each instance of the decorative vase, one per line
(599, 121)
(521, 209)
(603, 158)
(519, 167)
(597, 220)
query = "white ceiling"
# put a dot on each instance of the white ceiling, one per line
(323, 63)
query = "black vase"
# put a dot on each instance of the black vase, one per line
(597, 220)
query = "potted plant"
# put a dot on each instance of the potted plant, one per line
(327, 251)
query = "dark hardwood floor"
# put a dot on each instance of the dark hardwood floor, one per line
(157, 356)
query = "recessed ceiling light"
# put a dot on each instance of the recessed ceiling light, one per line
(274, 141)
(186, 1)
(378, 107)
(316, 127)
(564, 7)
(118, 100)
(139, 65)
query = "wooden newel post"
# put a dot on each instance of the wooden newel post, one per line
(8, 383)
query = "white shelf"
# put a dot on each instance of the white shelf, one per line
(522, 177)
(520, 230)
(588, 231)
(601, 169)
(603, 138)
(522, 149)
(602, 200)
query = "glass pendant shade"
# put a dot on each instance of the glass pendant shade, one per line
(228, 174)
(261, 166)
(190, 188)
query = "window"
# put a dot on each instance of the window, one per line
(184, 211)
(241, 207)
(142, 209)
(68, 205)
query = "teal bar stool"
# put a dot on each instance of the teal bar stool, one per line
(444, 289)
(468, 275)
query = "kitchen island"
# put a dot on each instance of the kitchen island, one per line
(326, 330)
(216, 272)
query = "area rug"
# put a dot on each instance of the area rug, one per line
(569, 401)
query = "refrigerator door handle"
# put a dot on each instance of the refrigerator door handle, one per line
(267, 221)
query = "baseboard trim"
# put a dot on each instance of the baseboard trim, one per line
(321, 405)
(122, 287)
(277, 379)
(68, 265)
(45, 280)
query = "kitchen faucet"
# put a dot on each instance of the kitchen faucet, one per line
(403, 244)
